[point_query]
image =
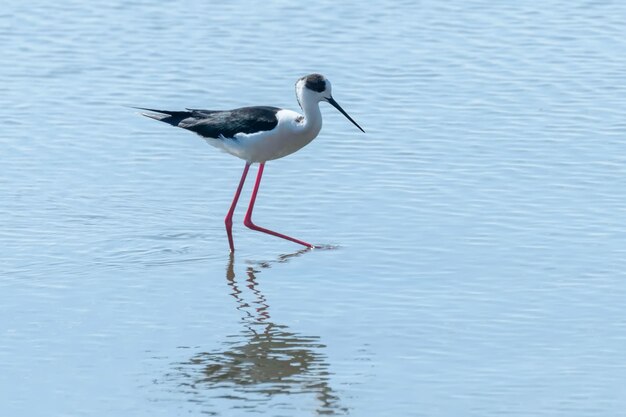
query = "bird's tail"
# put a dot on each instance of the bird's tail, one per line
(167, 116)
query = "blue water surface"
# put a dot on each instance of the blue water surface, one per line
(476, 260)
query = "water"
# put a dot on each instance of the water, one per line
(479, 248)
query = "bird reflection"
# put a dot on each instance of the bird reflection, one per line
(265, 359)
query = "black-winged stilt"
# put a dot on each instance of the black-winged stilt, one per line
(257, 135)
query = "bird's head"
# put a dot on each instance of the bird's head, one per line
(314, 88)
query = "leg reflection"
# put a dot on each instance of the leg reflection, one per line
(261, 363)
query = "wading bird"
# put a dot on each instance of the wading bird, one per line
(258, 134)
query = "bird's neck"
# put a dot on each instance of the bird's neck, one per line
(312, 116)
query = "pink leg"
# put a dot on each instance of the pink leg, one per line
(248, 220)
(229, 217)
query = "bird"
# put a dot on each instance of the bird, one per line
(258, 134)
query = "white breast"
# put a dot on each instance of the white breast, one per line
(290, 134)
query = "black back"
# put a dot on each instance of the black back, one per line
(218, 123)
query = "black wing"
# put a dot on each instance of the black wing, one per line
(217, 123)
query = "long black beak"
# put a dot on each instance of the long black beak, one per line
(338, 107)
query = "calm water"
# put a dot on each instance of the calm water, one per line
(479, 225)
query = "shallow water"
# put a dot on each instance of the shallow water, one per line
(477, 248)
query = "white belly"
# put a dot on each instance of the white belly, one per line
(287, 137)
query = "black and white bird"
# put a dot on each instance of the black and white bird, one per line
(258, 134)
